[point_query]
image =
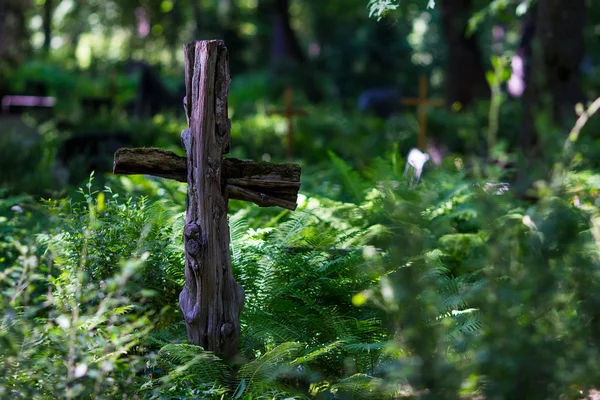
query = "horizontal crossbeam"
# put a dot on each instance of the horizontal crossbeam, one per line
(262, 183)
(412, 101)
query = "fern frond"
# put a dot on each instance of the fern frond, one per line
(360, 386)
(318, 352)
(172, 334)
(270, 365)
(238, 226)
(193, 363)
(351, 179)
(289, 231)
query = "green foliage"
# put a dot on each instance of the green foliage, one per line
(501, 9)
(380, 8)
(300, 276)
(401, 292)
(26, 157)
(67, 338)
(13, 225)
(299, 327)
(120, 230)
(468, 269)
(70, 85)
(371, 289)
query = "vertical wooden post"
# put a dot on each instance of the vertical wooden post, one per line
(289, 112)
(211, 300)
(422, 111)
(422, 102)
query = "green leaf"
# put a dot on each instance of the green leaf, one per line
(490, 76)
(240, 389)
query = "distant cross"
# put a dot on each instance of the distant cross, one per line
(289, 112)
(422, 102)
(211, 300)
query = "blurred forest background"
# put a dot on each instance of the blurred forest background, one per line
(481, 280)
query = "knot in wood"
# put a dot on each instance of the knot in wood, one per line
(193, 247)
(227, 329)
(192, 230)
(193, 239)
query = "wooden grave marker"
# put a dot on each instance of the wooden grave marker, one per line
(211, 300)
(422, 102)
(289, 113)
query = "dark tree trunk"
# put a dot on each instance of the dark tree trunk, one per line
(561, 39)
(286, 47)
(465, 80)
(2, 34)
(528, 137)
(14, 36)
(289, 63)
(561, 43)
(2, 8)
(553, 69)
(552, 60)
(48, 7)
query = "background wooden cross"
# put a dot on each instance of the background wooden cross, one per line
(422, 102)
(211, 300)
(289, 112)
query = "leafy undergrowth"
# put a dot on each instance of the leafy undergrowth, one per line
(442, 291)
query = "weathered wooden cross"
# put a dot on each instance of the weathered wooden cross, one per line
(211, 300)
(422, 102)
(289, 112)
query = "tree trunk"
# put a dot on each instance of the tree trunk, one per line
(48, 6)
(552, 79)
(211, 300)
(2, 27)
(285, 46)
(528, 138)
(14, 36)
(560, 33)
(465, 80)
(552, 70)
(289, 62)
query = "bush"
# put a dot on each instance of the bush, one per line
(97, 235)
(488, 294)
(64, 336)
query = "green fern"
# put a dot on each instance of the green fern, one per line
(193, 363)
(360, 386)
